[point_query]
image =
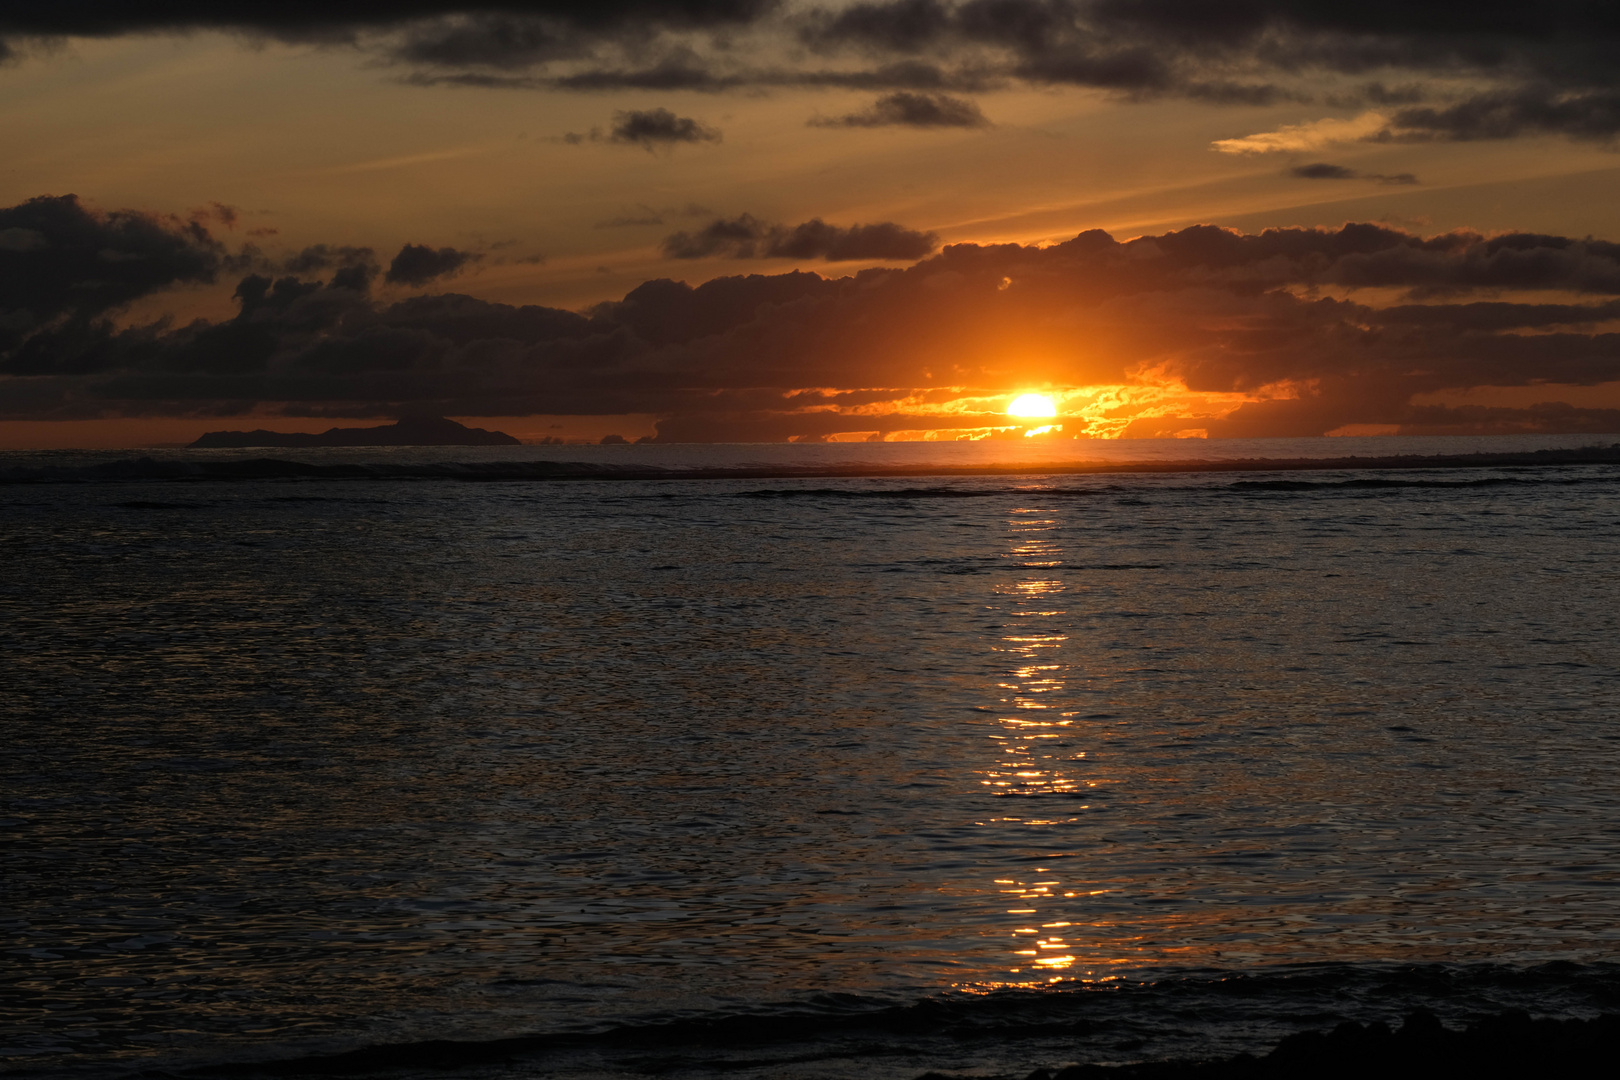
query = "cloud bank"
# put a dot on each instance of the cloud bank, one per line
(1282, 332)
(1461, 72)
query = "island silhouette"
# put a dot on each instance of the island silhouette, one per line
(409, 431)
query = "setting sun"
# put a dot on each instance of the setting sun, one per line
(1032, 405)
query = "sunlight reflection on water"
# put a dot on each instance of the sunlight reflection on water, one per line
(318, 759)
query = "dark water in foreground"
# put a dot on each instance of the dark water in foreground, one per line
(956, 774)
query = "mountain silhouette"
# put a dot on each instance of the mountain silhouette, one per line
(411, 431)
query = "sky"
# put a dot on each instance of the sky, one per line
(770, 220)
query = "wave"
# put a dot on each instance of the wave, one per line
(1308, 1020)
(1376, 483)
(210, 468)
(1507, 1044)
(868, 493)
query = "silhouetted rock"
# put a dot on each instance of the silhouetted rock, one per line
(411, 431)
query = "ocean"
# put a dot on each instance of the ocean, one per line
(797, 761)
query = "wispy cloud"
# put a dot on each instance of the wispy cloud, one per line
(1296, 138)
(1322, 170)
(406, 160)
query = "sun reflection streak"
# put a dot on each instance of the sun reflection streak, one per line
(1033, 752)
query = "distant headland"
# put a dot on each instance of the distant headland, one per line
(411, 431)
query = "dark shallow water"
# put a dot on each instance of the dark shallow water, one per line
(956, 774)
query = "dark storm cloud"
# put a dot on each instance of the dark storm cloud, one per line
(484, 35)
(1542, 68)
(61, 261)
(905, 26)
(747, 237)
(1553, 63)
(679, 75)
(1495, 315)
(306, 18)
(683, 74)
(799, 355)
(1321, 170)
(1539, 110)
(493, 41)
(906, 109)
(418, 264)
(1046, 41)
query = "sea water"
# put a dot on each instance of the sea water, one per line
(800, 776)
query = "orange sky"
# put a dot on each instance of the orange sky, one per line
(333, 139)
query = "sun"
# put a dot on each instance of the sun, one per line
(1032, 405)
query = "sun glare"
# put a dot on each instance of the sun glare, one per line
(1032, 405)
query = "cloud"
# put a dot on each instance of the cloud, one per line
(354, 267)
(323, 256)
(744, 237)
(499, 41)
(1321, 170)
(1538, 110)
(651, 129)
(1201, 327)
(907, 26)
(654, 128)
(226, 215)
(61, 261)
(20, 239)
(815, 239)
(1297, 138)
(906, 109)
(747, 237)
(302, 20)
(418, 264)
(1536, 69)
